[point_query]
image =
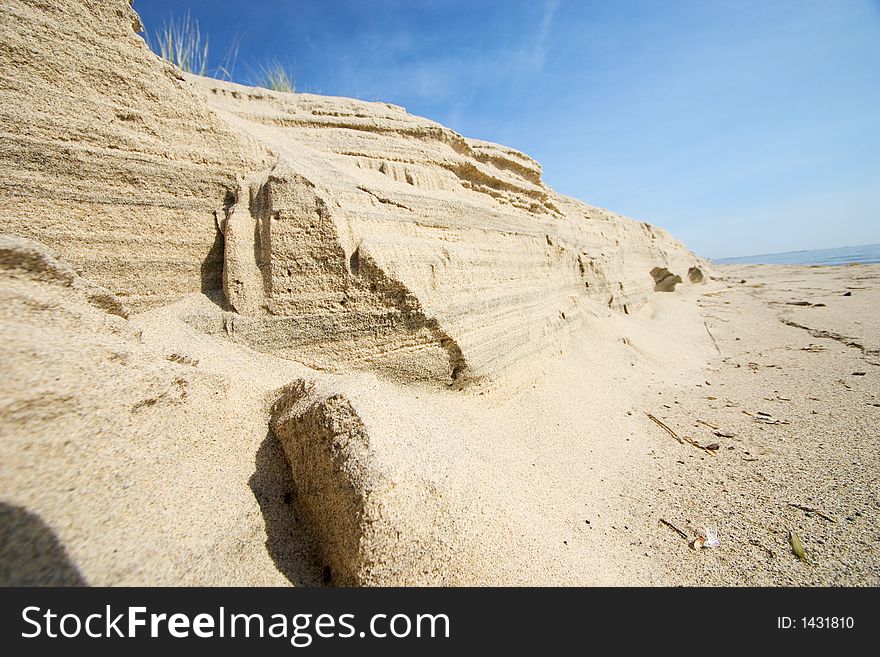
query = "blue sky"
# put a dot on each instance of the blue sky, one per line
(742, 127)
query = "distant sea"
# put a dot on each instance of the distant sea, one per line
(865, 254)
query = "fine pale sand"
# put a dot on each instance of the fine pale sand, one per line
(145, 458)
(252, 337)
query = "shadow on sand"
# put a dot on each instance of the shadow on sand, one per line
(287, 538)
(31, 554)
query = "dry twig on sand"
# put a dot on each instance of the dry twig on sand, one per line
(674, 528)
(810, 509)
(665, 427)
(712, 337)
(686, 439)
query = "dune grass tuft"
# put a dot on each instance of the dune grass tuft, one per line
(274, 75)
(180, 42)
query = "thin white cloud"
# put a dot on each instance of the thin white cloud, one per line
(399, 69)
(541, 43)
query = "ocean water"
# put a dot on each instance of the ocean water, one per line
(865, 254)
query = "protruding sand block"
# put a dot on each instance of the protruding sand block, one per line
(374, 523)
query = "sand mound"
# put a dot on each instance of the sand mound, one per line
(410, 249)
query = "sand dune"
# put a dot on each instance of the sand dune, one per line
(252, 338)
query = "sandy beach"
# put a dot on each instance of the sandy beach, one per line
(258, 337)
(799, 344)
(559, 477)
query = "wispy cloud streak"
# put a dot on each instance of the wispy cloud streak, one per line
(541, 43)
